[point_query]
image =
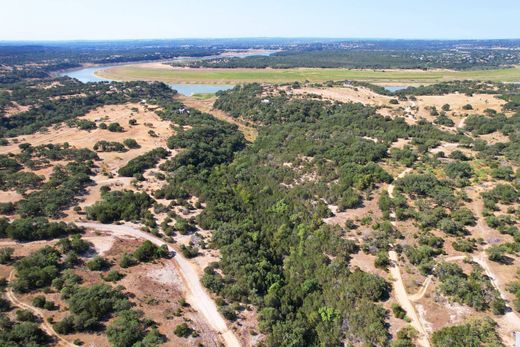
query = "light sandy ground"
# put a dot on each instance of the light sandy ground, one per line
(347, 94)
(340, 218)
(494, 138)
(108, 114)
(411, 110)
(404, 300)
(155, 65)
(196, 295)
(165, 275)
(15, 108)
(10, 196)
(479, 102)
(110, 161)
(102, 244)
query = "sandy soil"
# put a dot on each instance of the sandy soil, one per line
(411, 110)
(196, 294)
(479, 102)
(110, 161)
(404, 300)
(494, 138)
(155, 65)
(346, 94)
(108, 114)
(15, 108)
(370, 207)
(10, 196)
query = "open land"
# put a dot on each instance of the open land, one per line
(153, 72)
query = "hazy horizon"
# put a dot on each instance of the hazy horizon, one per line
(97, 20)
(245, 38)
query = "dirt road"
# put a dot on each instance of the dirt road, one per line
(197, 297)
(400, 290)
(391, 187)
(404, 300)
(46, 326)
(509, 322)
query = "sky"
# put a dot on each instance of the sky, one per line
(156, 19)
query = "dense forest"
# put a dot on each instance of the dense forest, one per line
(379, 55)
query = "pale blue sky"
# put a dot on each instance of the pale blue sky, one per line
(139, 19)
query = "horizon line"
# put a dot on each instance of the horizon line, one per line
(329, 38)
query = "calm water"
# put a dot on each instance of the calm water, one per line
(190, 89)
(86, 75)
(395, 88)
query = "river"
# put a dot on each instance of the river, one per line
(87, 74)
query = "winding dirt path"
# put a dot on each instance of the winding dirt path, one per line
(399, 288)
(196, 296)
(509, 322)
(46, 326)
(404, 300)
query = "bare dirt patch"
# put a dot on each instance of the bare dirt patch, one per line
(10, 196)
(15, 108)
(346, 94)
(457, 101)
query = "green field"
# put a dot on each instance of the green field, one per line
(235, 76)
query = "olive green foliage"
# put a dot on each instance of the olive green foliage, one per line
(120, 205)
(98, 263)
(476, 333)
(129, 329)
(91, 306)
(502, 193)
(209, 143)
(140, 164)
(115, 128)
(131, 143)
(406, 155)
(189, 251)
(6, 255)
(36, 270)
(183, 330)
(475, 289)
(73, 244)
(514, 288)
(59, 192)
(22, 333)
(32, 229)
(405, 337)
(106, 146)
(274, 248)
(148, 252)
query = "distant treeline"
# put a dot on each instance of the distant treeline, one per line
(380, 55)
